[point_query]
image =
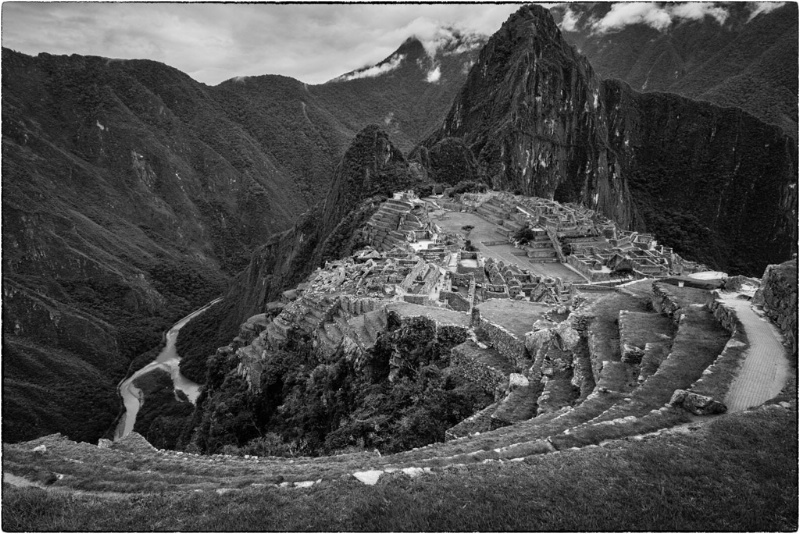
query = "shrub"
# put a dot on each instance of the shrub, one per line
(524, 235)
(468, 187)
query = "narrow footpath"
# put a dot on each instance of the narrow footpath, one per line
(766, 367)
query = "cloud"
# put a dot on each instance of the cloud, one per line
(216, 42)
(470, 42)
(700, 10)
(762, 7)
(569, 21)
(622, 15)
(434, 75)
(466, 66)
(659, 17)
(372, 72)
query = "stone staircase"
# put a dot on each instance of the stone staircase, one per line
(541, 249)
(504, 214)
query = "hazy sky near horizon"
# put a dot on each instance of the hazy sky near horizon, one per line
(215, 42)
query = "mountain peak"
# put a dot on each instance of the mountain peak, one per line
(422, 51)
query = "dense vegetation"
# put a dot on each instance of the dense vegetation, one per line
(309, 408)
(165, 413)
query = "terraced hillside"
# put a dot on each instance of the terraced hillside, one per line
(592, 373)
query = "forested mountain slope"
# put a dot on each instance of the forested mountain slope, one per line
(749, 60)
(131, 193)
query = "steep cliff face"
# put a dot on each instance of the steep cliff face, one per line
(739, 57)
(372, 168)
(532, 115)
(715, 183)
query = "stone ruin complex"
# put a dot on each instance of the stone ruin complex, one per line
(519, 331)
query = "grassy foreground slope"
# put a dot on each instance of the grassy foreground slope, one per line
(736, 473)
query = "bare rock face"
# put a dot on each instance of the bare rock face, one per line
(531, 114)
(568, 337)
(697, 404)
(778, 297)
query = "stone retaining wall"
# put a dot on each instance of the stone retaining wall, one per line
(455, 300)
(778, 297)
(506, 343)
(718, 377)
(665, 303)
(491, 379)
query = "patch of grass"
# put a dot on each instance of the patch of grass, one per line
(738, 473)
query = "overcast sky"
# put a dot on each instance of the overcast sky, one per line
(310, 42)
(215, 42)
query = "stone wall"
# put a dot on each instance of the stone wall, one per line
(778, 297)
(422, 300)
(455, 301)
(664, 302)
(506, 343)
(718, 377)
(586, 270)
(464, 363)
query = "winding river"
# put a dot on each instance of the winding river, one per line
(167, 360)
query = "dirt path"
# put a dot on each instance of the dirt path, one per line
(765, 368)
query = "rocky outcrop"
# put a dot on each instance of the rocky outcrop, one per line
(133, 443)
(530, 112)
(697, 404)
(778, 298)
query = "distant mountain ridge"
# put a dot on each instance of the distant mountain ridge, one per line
(748, 61)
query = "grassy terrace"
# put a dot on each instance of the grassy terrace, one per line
(735, 473)
(515, 316)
